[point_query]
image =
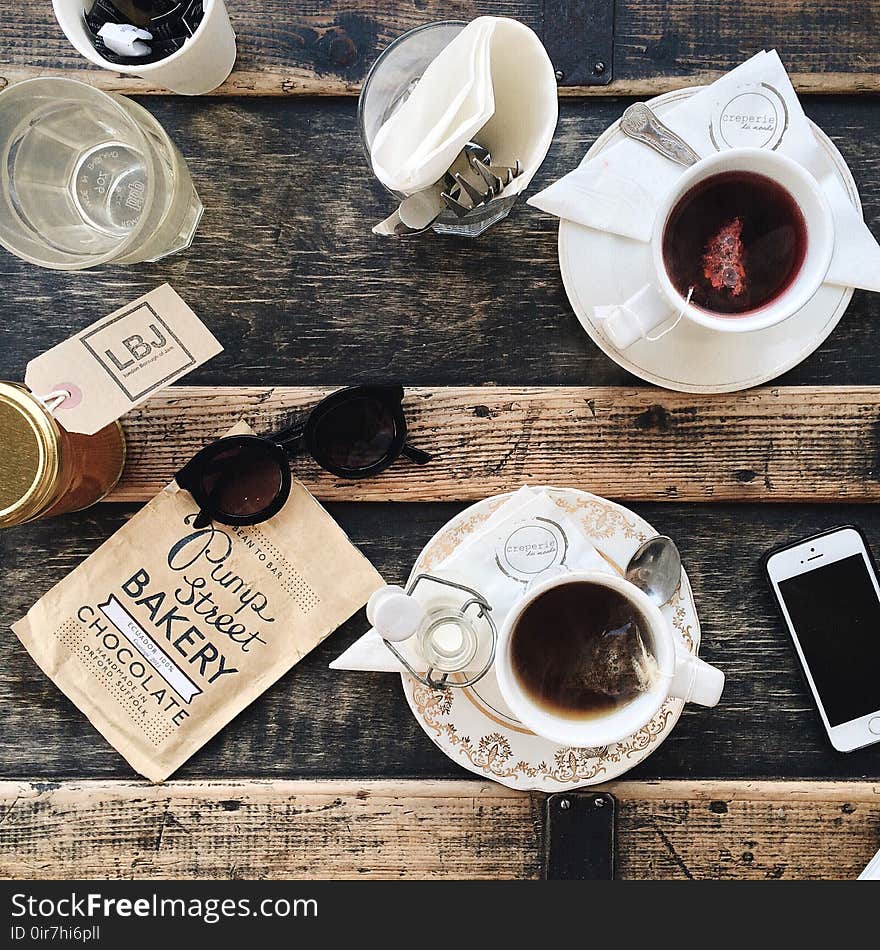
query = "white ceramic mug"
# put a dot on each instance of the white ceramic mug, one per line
(658, 300)
(202, 64)
(681, 674)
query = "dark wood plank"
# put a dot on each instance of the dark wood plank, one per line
(325, 48)
(318, 723)
(793, 443)
(688, 38)
(291, 280)
(425, 830)
(309, 47)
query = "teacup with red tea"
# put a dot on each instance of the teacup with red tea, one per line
(742, 241)
(734, 243)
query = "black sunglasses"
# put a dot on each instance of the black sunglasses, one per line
(245, 479)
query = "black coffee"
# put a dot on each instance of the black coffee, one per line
(579, 651)
(738, 239)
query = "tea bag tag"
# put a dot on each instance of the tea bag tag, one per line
(121, 360)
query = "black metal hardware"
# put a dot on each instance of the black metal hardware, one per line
(579, 836)
(579, 36)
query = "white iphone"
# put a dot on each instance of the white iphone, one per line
(828, 594)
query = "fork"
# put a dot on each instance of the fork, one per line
(454, 191)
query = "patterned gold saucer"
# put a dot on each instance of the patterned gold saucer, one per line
(474, 727)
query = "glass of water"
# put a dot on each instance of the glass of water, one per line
(88, 177)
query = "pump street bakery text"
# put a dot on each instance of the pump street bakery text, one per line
(169, 630)
(175, 654)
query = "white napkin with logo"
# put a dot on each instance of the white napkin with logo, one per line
(526, 537)
(494, 83)
(754, 105)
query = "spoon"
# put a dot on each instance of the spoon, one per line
(655, 569)
(640, 122)
(418, 212)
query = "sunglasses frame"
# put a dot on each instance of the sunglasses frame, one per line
(284, 445)
(190, 479)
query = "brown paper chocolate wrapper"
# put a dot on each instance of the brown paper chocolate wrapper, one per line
(167, 632)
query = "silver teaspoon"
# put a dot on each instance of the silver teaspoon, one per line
(655, 568)
(639, 122)
(418, 212)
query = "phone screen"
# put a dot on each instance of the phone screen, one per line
(836, 616)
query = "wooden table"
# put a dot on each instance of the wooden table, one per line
(328, 774)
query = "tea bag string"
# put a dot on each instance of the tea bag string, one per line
(54, 399)
(659, 336)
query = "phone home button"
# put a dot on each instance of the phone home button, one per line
(874, 725)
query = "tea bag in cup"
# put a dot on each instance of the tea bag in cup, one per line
(527, 538)
(583, 646)
(619, 663)
(750, 121)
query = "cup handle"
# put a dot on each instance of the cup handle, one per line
(626, 323)
(694, 680)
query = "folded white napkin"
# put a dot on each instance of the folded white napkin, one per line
(494, 83)
(872, 871)
(526, 537)
(754, 105)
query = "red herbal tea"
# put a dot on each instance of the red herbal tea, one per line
(734, 242)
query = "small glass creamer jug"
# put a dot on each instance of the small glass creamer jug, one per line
(436, 628)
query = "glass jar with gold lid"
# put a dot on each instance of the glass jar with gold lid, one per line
(46, 470)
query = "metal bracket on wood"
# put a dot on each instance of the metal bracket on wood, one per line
(579, 836)
(579, 37)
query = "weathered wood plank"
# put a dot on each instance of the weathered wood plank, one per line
(287, 274)
(408, 829)
(307, 46)
(769, 444)
(321, 723)
(326, 48)
(656, 38)
(277, 83)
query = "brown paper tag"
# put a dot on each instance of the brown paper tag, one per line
(116, 363)
(168, 631)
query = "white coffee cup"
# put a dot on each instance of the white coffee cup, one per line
(681, 674)
(658, 301)
(202, 64)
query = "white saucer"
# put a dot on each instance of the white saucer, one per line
(474, 727)
(602, 268)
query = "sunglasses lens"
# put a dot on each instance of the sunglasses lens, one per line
(355, 434)
(243, 479)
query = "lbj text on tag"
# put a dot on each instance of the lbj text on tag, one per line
(118, 362)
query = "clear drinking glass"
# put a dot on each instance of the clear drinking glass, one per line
(388, 84)
(89, 177)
